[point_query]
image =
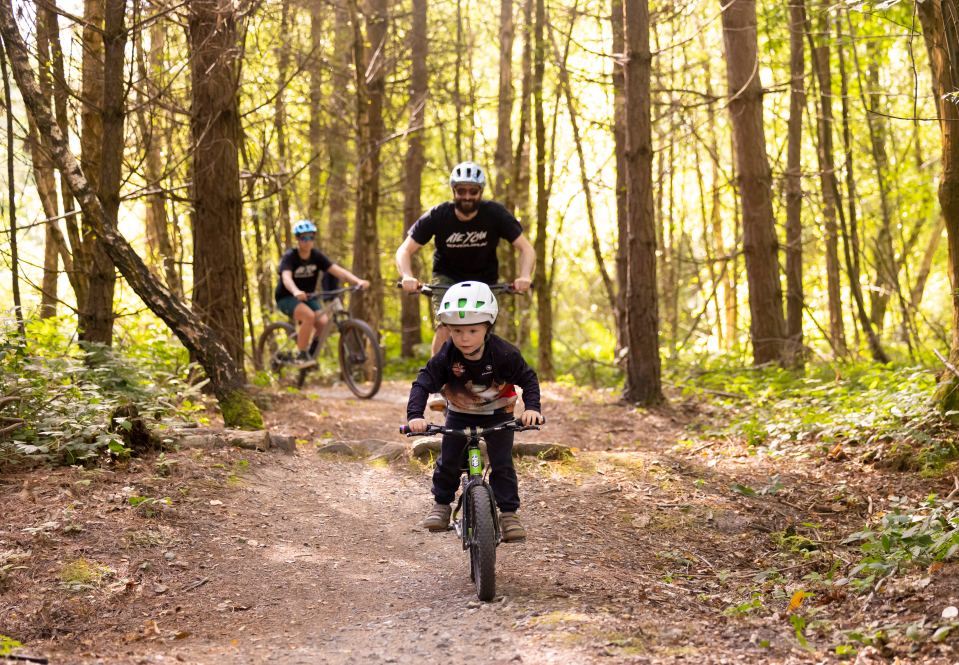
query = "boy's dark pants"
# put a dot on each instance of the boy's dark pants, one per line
(499, 451)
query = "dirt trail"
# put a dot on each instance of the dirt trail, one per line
(634, 551)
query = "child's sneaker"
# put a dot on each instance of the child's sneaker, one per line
(511, 528)
(302, 360)
(438, 518)
(436, 402)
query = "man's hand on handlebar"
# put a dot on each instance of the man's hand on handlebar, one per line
(410, 284)
(522, 284)
(529, 418)
(302, 296)
(363, 284)
(417, 425)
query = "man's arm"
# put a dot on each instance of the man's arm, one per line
(404, 263)
(287, 277)
(527, 261)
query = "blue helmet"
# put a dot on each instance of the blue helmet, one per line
(304, 226)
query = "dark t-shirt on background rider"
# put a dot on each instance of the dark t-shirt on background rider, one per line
(466, 250)
(306, 273)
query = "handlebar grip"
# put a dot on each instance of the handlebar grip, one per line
(405, 429)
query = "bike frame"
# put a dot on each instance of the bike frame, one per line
(476, 472)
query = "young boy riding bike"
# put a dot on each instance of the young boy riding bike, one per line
(476, 371)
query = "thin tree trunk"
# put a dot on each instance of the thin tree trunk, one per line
(337, 133)
(316, 66)
(279, 119)
(829, 187)
(797, 100)
(226, 380)
(215, 125)
(760, 245)
(619, 140)
(415, 161)
(370, 68)
(925, 266)
(12, 200)
(544, 302)
(503, 161)
(643, 382)
(851, 241)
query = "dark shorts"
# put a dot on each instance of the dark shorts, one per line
(288, 303)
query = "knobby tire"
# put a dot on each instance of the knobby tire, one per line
(278, 336)
(361, 358)
(483, 547)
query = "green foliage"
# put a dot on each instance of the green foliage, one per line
(66, 393)
(909, 535)
(7, 645)
(851, 403)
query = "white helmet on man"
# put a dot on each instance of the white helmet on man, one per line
(468, 173)
(468, 303)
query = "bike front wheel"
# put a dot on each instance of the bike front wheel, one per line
(482, 542)
(361, 358)
(275, 348)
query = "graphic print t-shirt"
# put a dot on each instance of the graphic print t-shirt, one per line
(466, 250)
(306, 272)
(480, 387)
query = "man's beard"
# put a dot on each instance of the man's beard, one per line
(465, 206)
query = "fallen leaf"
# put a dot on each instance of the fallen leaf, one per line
(796, 601)
(950, 612)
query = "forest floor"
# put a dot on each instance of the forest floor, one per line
(640, 550)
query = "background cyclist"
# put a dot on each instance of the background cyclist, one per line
(466, 232)
(300, 270)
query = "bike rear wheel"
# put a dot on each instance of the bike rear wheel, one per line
(482, 542)
(275, 347)
(361, 358)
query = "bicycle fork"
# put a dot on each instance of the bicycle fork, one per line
(477, 476)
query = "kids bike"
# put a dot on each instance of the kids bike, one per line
(475, 515)
(359, 354)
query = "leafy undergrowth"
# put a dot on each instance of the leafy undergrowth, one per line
(879, 414)
(59, 396)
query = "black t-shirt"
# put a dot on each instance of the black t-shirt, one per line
(476, 387)
(305, 272)
(466, 250)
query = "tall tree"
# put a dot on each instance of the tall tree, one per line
(619, 142)
(940, 30)
(12, 201)
(284, 182)
(797, 100)
(643, 381)
(215, 129)
(337, 132)
(544, 301)
(760, 246)
(95, 316)
(317, 66)
(370, 70)
(831, 203)
(413, 167)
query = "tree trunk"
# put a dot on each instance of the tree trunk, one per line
(279, 119)
(797, 100)
(370, 69)
(619, 140)
(95, 315)
(643, 382)
(338, 128)
(544, 303)
(226, 380)
(760, 246)
(215, 124)
(317, 66)
(415, 161)
(829, 188)
(851, 241)
(925, 266)
(12, 200)
(940, 30)
(503, 182)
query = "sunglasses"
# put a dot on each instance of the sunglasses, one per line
(467, 191)
(306, 238)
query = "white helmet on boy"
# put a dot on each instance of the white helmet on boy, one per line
(468, 173)
(468, 303)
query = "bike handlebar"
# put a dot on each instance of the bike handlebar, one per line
(478, 432)
(333, 292)
(427, 289)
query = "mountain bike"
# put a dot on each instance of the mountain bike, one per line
(477, 525)
(359, 355)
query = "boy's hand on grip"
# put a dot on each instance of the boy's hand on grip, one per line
(528, 418)
(417, 425)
